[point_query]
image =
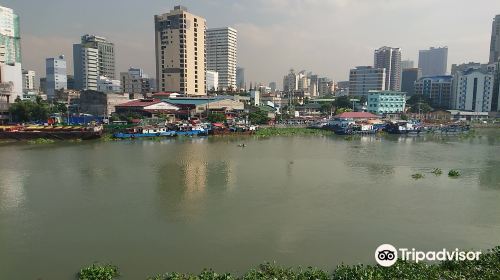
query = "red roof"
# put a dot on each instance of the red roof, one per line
(357, 115)
(140, 103)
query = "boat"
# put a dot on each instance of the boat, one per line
(404, 127)
(55, 132)
(146, 132)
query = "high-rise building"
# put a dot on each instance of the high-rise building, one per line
(325, 86)
(180, 52)
(409, 77)
(390, 59)
(106, 51)
(240, 78)
(473, 90)
(135, 81)
(438, 89)
(212, 81)
(433, 62)
(273, 86)
(86, 66)
(10, 36)
(28, 80)
(56, 75)
(407, 64)
(495, 40)
(221, 47)
(363, 79)
(291, 81)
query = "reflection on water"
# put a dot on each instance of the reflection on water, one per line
(171, 204)
(12, 192)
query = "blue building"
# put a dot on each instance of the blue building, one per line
(386, 102)
(56, 77)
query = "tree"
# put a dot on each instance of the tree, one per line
(27, 111)
(259, 117)
(216, 118)
(343, 102)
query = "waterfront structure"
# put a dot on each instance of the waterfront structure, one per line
(197, 106)
(56, 76)
(473, 90)
(135, 81)
(407, 64)
(107, 85)
(386, 102)
(390, 59)
(10, 37)
(495, 40)
(221, 48)
(100, 104)
(212, 81)
(433, 62)
(149, 108)
(240, 78)
(363, 79)
(86, 66)
(409, 77)
(180, 52)
(11, 81)
(437, 88)
(28, 80)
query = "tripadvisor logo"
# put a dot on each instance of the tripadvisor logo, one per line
(386, 255)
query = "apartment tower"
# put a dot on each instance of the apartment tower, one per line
(180, 52)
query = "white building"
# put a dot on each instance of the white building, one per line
(56, 75)
(10, 37)
(28, 80)
(222, 48)
(473, 90)
(390, 59)
(107, 85)
(11, 76)
(180, 52)
(86, 67)
(212, 81)
(291, 82)
(433, 62)
(363, 79)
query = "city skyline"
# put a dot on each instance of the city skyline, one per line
(268, 35)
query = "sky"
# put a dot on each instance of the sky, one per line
(327, 37)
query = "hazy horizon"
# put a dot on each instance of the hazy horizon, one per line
(327, 37)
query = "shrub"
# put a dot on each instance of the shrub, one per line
(98, 272)
(454, 173)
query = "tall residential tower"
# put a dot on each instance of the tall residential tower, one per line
(222, 55)
(433, 62)
(495, 40)
(180, 52)
(390, 59)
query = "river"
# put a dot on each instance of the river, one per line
(187, 204)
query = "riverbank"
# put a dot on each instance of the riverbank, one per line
(487, 267)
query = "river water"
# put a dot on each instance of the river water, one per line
(187, 204)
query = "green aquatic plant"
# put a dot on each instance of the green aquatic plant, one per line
(41, 141)
(437, 171)
(99, 272)
(417, 176)
(454, 173)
